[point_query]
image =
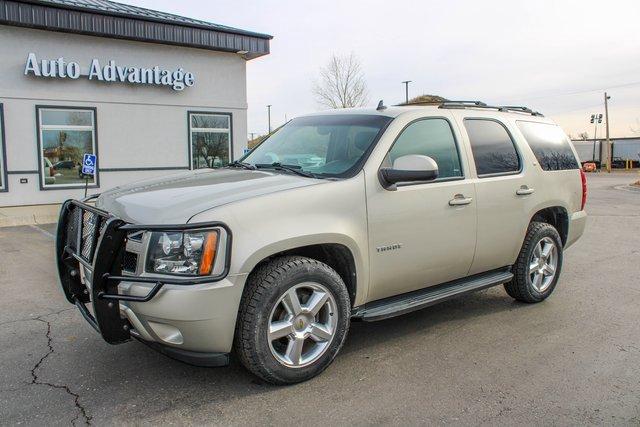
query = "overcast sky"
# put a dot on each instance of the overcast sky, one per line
(556, 56)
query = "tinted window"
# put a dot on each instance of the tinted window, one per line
(492, 147)
(550, 145)
(433, 138)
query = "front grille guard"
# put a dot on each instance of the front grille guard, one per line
(104, 260)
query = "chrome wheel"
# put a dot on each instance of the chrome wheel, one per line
(543, 264)
(302, 324)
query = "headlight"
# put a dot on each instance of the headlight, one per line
(190, 253)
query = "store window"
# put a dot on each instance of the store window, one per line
(210, 140)
(64, 136)
(3, 154)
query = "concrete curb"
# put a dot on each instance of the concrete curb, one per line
(27, 220)
(29, 215)
(631, 188)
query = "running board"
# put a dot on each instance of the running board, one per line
(411, 301)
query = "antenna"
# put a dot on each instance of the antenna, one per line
(381, 105)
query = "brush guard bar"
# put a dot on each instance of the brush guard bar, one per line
(95, 239)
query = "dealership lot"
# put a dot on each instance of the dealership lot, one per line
(480, 359)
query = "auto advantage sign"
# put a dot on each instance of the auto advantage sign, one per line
(110, 71)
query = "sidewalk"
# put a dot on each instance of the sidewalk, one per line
(29, 215)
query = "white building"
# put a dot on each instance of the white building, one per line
(149, 93)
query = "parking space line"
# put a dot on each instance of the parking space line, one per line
(45, 232)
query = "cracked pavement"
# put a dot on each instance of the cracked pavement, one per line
(479, 359)
(36, 380)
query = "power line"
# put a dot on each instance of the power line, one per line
(552, 112)
(576, 92)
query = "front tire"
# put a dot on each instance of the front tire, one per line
(294, 317)
(537, 269)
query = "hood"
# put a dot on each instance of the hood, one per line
(175, 199)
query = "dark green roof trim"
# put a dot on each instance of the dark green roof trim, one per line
(105, 18)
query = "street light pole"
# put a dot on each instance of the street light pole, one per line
(269, 115)
(406, 91)
(606, 115)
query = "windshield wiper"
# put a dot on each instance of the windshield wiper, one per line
(237, 164)
(290, 168)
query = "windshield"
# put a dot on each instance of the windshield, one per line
(327, 146)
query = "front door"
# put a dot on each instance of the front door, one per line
(422, 234)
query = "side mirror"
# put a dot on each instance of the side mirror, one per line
(409, 168)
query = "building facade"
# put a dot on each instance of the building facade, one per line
(146, 92)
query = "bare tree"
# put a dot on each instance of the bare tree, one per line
(341, 83)
(583, 136)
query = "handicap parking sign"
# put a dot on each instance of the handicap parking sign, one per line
(89, 164)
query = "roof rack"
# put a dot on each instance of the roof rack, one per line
(480, 104)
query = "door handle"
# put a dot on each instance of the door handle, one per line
(459, 200)
(524, 191)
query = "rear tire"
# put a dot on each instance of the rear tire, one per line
(294, 317)
(537, 269)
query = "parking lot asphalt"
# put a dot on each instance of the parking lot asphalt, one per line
(479, 359)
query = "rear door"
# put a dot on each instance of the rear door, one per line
(505, 196)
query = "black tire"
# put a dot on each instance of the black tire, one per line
(521, 287)
(263, 290)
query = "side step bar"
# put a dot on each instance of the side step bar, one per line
(411, 301)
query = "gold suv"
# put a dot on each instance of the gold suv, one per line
(346, 215)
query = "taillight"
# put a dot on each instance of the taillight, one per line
(583, 178)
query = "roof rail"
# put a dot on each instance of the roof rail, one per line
(462, 104)
(480, 104)
(523, 110)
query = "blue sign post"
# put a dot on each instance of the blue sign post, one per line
(89, 164)
(88, 169)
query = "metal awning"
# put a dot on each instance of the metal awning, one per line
(104, 18)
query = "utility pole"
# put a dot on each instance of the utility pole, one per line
(269, 115)
(406, 91)
(606, 115)
(596, 118)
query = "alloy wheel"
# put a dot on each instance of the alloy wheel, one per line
(302, 324)
(543, 264)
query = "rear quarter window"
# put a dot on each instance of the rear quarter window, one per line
(550, 145)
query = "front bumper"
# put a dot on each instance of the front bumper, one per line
(191, 319)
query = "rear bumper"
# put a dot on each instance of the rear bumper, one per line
(577, 224)
(189, 319)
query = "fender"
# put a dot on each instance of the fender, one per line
(362, 273)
